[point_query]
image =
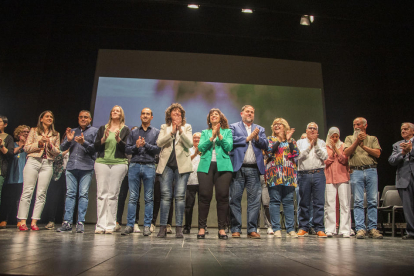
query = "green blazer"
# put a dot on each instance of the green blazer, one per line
(222, 148)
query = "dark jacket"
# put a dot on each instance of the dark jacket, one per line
(5, 158)
(120, 147)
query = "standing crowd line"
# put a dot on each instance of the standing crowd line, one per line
(174, 166)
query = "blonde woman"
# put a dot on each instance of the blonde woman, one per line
(42, 146)
(111, 167)
(337, 182)
(281, 175)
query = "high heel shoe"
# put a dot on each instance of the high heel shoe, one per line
(222, 237)
(201, 236)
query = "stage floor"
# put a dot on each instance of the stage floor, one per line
(47, 252)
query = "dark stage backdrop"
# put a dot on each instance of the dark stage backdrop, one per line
(49, 51)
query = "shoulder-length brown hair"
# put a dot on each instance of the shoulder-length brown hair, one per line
(121, 120)
(40, 128)
(168, 119)
(224, 124)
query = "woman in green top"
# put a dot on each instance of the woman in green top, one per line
(111, 167)
(214, 169)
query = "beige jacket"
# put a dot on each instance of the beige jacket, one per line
(32, 149)
(183, 143)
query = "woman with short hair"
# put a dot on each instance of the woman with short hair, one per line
(281, 175)
(111, 166)
(42, 146)
(175, 140)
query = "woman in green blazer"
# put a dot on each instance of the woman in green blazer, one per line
(214, 169)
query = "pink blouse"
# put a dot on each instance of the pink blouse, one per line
(336, 170)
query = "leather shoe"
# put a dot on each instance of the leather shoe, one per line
(235, 235)
(201, 236)
(186, 231)
(23, 227)
(408, 237)
(34, 228)
(253, 235)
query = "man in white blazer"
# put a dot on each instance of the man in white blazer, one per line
(403, 158)
(175, 141)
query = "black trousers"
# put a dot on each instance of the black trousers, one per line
(190, 196)
(221, 180)
(157, 202)
(407, 197)
(10, 197)
(123, 192)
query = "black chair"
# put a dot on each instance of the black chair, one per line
(392, 203)
(386, 188)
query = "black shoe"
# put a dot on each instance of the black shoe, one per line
(128, 230)
(206, 230)
(163, 231)
(199, 237)
(186, 231)
(312, 231)
(222, 237)
(408, 237)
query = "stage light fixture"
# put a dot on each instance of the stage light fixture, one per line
(247, 10)
(193, 6)
(304, 20)
(311, 18)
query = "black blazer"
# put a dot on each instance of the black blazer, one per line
(120, 147)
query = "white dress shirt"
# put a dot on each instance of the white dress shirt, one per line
(193, 179)
(311, 159)
(249, 157)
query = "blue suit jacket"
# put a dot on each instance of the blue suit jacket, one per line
(240, 146)
(405, 165)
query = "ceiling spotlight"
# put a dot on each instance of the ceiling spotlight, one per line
(247, 10)
(311, 18)
(304, 20)
(193, 6)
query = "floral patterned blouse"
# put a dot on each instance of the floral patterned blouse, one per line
(281, 168)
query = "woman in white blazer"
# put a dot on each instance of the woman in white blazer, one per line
(175, 141)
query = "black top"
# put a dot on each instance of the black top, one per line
(172, 161)
(5, 158)
(120, 147)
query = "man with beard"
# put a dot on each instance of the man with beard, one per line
(249, 140)
(363, 151)
(142, 145)
(403, 157)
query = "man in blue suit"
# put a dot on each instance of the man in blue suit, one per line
(247, 158)
(403, 157)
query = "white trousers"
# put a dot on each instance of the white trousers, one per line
(36, 170)
(108, 183)
(344, 193)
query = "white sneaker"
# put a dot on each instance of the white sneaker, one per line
(292, 234)
(109, 232)
(270, 231)
(352, 232)
(346, 235)
(98, 231)
(258, 230)
(278, 234)
(117, 227)
(136, 228)
(329, 234)
(152, 228)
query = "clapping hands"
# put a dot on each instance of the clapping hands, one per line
(140, 142)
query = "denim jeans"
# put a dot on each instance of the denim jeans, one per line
(167, 178)
(282, 194)
(136, 173)
(73, 178)
(365, 180)
(312, 192)
(248, 178)
(298, 208)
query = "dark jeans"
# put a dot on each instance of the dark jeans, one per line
(55, 200)
(248, 178)
(407, 197)
(157, 202)
(123, 193)
(282, 194)
(221, 180)
(312, 185)
(190, 195)
(10, 198)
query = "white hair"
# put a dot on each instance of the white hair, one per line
(317, 128)
(364, 121)
(410, 125)
(197, 133)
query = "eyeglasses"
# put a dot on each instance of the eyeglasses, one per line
(83, 117)
(24, 131)
(312, 128)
